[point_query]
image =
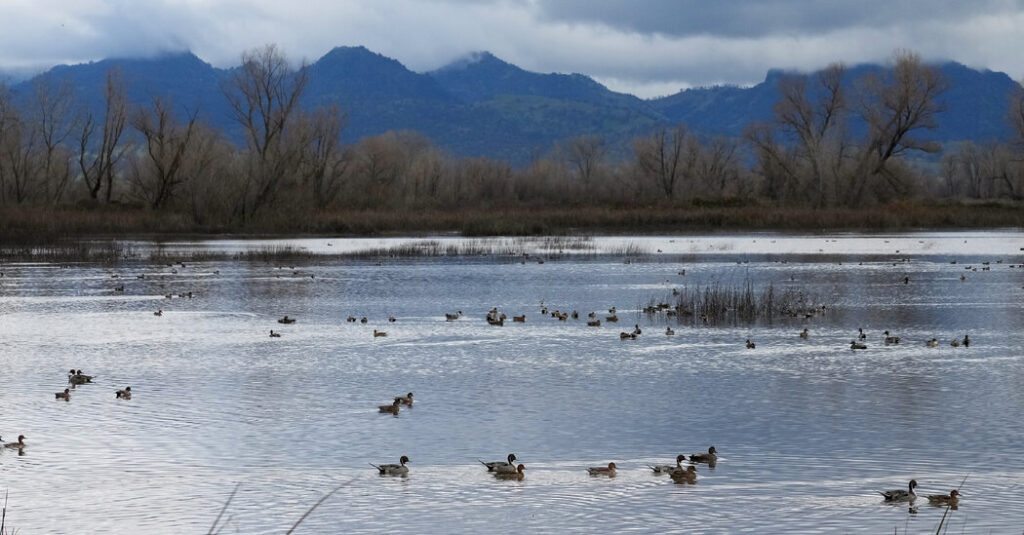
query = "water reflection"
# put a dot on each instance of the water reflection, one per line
(809, 429)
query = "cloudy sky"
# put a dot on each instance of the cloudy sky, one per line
(646, 47)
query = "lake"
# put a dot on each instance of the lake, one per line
(807, 430)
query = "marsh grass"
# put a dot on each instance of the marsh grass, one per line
(716, 304)
(217, 527)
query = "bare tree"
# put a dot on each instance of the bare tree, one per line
(894, 107)
(264, 98)
(585, 153)
(169, 152)
(666, 157)
(98, 159)
(52, 106)
(324, 162)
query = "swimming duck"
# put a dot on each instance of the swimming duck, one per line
(684, 475)
(855, 345)
(494, 465)
(862, 335)
(889, 339)
(595, 323)
(627, 336)
(900, 495)
(666, 468)
(65, 395)
(17, 445)
(932, 343)
(519, 319)
(393, 469)
(391, 319)
(393, 408)
(967, 341)
(955, 343)
(274, 335)
(124, 394)
(159, 312)
(709, 457)
(612, 319)
(943, 499)
(452, 317)
(636, 329)
(516, 473)
(351, 319)
(602, 470)
(750, 345)
(407, 400)
(286, 320)
(805, 334)
(78, 378)
(379, 334)
(669, 331)
(363, 320)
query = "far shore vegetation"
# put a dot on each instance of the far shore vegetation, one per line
(159, 170)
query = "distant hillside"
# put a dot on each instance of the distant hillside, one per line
(483, 106)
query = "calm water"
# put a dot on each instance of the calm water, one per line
(807, 430)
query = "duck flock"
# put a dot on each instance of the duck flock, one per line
(684, 469)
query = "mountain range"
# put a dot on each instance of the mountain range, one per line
(483, 106)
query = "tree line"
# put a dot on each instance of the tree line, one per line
(830, 144)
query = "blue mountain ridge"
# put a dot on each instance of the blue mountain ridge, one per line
(483, 106)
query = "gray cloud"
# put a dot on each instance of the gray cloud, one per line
(648, 47)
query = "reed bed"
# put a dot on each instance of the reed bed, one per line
(737, 305)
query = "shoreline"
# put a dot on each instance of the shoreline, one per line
(34, 226)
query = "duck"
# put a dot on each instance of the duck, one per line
(17, 445)
(519, 319)
(750, 345)
(636, 329)
(932, 343)
(493, 465)
(900, 495)
(595, 323)
(967, 341)
(274, 335)
(855, 345)
(516, 473)
(669, 331)
(955, 343)
(407, 400)
(393, 469)
(684, 475)
(666, 468)
(627, 336)
(159, 312)
(393, 408)
(612, 318)
(391, 319)
(950, 499)
(379, 334)
(363, 320)
(78, 378)
(861, 334)
(124, 394)
(65, 395)
(709, 457)
(889, 339)
(286, 320)
(804, 334)
(351, 319)
(602, 470)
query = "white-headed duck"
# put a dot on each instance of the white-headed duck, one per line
(493, 466)
(393, 469)
(900, 495)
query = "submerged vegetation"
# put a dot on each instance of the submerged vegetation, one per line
(158, 170)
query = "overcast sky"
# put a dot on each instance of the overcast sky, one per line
(645, 47)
